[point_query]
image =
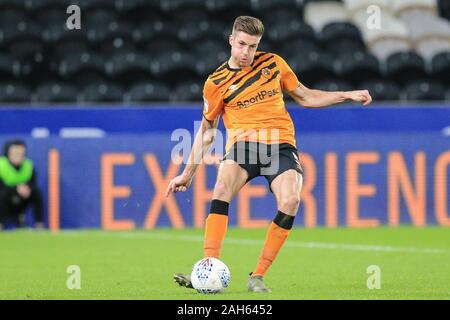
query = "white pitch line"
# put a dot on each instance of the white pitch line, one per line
(292, 243)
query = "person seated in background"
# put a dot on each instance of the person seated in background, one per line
(18, 186)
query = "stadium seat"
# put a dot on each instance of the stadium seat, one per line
(147, 92)
(99, 33)
(145, 32)
(312, 67)
(42, 5)
(14, 93)
(33, 71)
(129, 7)
(305, 41)
(382, 90)
(280, 15)
(50, 16)
(357, 66)
(11, 16)
(127, 67)
(440, 67)
(430, 47)
(56, 36)
(447, 95)
(403, 66)
(82, 67)
(333, 85)
(321, 39)
(143, 17)
(180, 5)
(155, 32)
(88, 5)
(444, 8)
(12, 4)
(391, 27)
(422, 90)
(8, 67)
(261, 6)
(205, 66)
(227, 17)
(384, 47)
(285, 26)
(99, 16)
(68, 47)
(174, 67)
(335, 31)
(230, 7)
(343, 47)
(357, 5)
(308, 1)
(23, 30)
(193, 25)
(163, 46)
(101, 93)
(299, 46)
(213, 54)
(54, 92)
(186, 91)
(211, 47)
(116, 45)
(53, 18)
(181, 18)
(430, 26)
(318, 14)
(27, 49)
(400, 7)
(432, 35)
(341, 38)
(200, 30)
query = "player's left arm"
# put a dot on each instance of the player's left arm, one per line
(312, 98)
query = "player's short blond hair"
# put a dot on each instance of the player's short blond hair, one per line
(249, 25)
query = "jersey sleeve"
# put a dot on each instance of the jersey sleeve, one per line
(212, 101)
(289, 80)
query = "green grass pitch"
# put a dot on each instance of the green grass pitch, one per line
(314, 264)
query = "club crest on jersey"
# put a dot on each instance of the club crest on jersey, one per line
(266, 73)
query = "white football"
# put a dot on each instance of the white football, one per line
(210, 275)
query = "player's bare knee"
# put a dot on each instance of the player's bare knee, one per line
(222, 191)
(290, 203)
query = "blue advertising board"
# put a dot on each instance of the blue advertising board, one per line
(109, 167)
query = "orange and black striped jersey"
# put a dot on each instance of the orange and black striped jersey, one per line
(250, 100)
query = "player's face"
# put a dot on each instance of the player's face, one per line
(16, 154)
(243, 48)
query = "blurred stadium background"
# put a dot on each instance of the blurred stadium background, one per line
(105, 100)
(102, 107)
(160, 51)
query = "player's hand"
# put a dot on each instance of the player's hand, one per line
(24, 191)
(361, 96)
(178, 184)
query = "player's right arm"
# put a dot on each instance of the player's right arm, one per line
(312, 98)
(202, 142)
(213, 104)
